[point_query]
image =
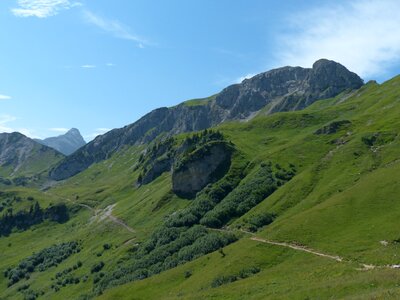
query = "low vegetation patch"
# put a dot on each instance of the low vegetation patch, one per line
(65, 277)
(166, 249)
(39, 262)
(254, 222)
(225, 279)
(334, 127)
(378, 138)
(254, 189)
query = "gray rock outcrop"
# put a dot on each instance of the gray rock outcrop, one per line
(206, 165)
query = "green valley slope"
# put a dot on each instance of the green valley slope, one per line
(333, 169)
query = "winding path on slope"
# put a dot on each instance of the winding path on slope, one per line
(363, 267)
(106, 213)
(299, 248)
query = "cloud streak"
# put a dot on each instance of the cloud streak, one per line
(114, 27)
(5, 127)
(59, 129)
(248, 76)
(5, 97)
(97, 131)
(4, 120)
(88, 66)
(42, 8)
(361, 34)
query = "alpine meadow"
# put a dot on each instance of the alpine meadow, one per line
(283, 184)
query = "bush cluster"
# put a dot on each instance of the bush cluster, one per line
(65, 278)
(41, 261)
(251, 191)
(256, 221)
(225, 279)
(160, 253)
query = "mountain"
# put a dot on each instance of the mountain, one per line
(67, 143)
(278, 90)
(22, 156)
(301, 204)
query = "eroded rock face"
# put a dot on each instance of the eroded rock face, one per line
(283, 89)
(206, 165)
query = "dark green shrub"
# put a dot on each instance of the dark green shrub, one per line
(97, 267)
(107, 246)
(41, 261)
(225, 279)
(260, 220)
(188, 274)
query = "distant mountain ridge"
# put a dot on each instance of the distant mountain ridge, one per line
(278, 90)
(67, 143)
(22, 156)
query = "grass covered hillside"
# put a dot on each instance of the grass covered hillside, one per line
(293, 205)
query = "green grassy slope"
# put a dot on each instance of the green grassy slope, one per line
(342, 202)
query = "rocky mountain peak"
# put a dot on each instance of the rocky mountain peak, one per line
(73, 132)
(66, 143)
(277, 90)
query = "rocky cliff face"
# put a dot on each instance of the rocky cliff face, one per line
(22, 156)
(67, 143)
(206, 165)
(283, 89)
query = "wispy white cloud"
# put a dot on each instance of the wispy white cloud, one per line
(102, 129)
(29, 133)
(114, 27)
(97, 131)
(5, 127)
(42, 8)
(59, 129)
(88, 66)
(4, 120)
(360, 34)
(240, 79)
(110, 65)
(5, 97)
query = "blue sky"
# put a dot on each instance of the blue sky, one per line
(101, 64)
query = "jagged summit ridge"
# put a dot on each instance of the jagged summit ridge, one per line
(286, 89)
(277, 90)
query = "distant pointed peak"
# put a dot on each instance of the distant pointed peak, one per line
(73, 131)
